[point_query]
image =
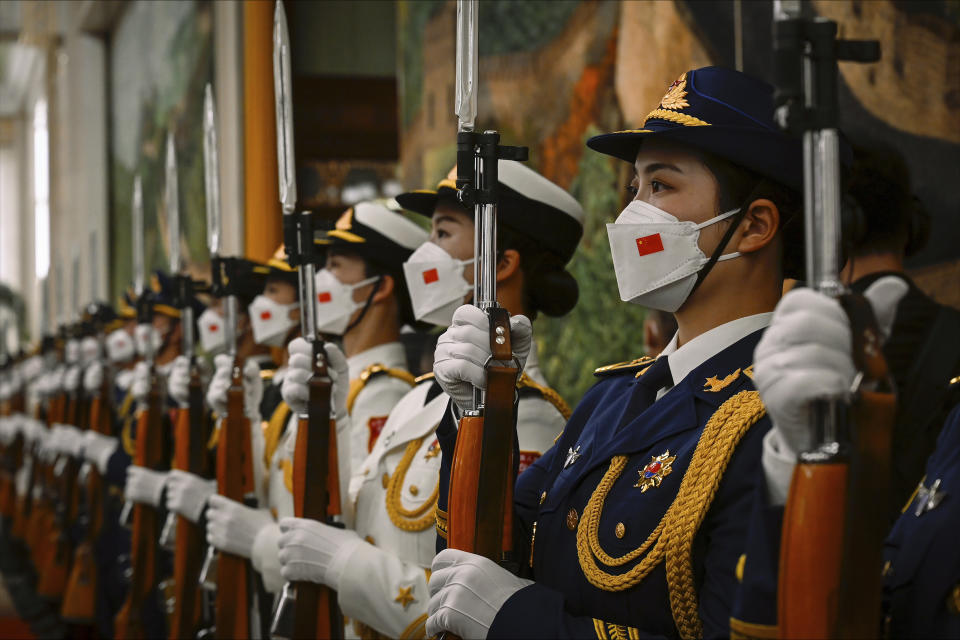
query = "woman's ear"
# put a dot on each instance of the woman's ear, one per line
(760, 225)
(384, 289)
(508, 265)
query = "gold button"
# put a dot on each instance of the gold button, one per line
(887, 569)
(370, 540)
(543, 496)
(620, 530)
(366, 471)
(413, 490)
(572, 519)
(385, 479)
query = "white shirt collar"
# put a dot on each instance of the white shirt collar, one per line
(532, 366)
(391, 355)
(685, 359)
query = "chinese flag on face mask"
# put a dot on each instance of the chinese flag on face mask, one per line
(649, 244)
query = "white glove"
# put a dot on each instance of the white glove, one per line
(140, 384)
(233, 527)
(93, 377)
(89, 350)
(299, 369)
(178, 382)
(220, 384)
(73, 377)
(187, 494)
(97, 449)
(466, 592)
(805, 355)
(144, 485)
(463, 350)
(315, 552)
(71, 441)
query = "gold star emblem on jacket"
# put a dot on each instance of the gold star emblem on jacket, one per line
(405, 597)
(714, 383)
(653, 474)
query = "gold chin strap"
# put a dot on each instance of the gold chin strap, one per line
(672, 539)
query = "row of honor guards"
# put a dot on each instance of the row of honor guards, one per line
(654, 509)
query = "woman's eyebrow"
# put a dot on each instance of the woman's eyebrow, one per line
(657, 166)
(443, 218)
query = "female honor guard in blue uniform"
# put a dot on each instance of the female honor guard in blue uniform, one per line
(804, 356)
(631, 525)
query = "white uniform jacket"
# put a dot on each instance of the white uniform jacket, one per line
(384, 587)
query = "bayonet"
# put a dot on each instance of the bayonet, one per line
(173, 205)
(284, 110)
(467, 65)
(136, 240)
(211, 171)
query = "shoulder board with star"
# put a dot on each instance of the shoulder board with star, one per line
(630, 366)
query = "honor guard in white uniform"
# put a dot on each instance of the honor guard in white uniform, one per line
(361, 298)
(380, 569)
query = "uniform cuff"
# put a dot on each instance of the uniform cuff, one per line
(778, 463)
(265, 557)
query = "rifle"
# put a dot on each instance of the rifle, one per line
(54, 567)
(306, 609)
(128, 623)
(79, 598)
(829, 577)
(234, 577)
(483, 468)
(191, 432)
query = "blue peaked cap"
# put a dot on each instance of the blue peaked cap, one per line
(720, 111)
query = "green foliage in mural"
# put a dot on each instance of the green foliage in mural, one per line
(412, 18)
(509, 26)
(601, 329)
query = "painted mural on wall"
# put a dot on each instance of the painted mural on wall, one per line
(554, 73)
(160, 62)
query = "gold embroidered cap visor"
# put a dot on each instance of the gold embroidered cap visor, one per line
(720, 111)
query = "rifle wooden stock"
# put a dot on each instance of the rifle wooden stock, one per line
(128, 623)
(79, 599)
(190, 454)
(234, 481)
(830, 584)
(316, 495)
(480, 505)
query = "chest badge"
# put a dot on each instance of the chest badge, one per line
(572, 456)
(433, 451)
(928, 499)
(653, 474)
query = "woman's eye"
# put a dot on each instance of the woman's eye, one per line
(632, 190)
(657, 186)
(442, 234)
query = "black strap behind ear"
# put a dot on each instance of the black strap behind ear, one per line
(366, 305)
(735, 222)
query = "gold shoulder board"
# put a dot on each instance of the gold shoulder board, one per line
(629, 366)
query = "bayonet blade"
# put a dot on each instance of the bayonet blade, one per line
(173, 205)
(136, 244)
(211, 171)
(467, 65)
(282, 91)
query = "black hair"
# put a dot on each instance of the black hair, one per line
(879, 182)
(547, 285)
(738, 187)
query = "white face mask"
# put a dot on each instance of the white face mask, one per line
(335, 303)
(120, 346)
(270, 320)
(148, 339)
(89, 349)
(72, 351)
(656, 257)
(436, 283)
(213, 339)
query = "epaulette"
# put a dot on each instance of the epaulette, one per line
(368, 374)
(551, 396)
(424, 378)
(267, 374)
(629, 366)
(273, 429)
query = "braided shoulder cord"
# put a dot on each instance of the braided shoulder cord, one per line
(673, 537)
(424, 516)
